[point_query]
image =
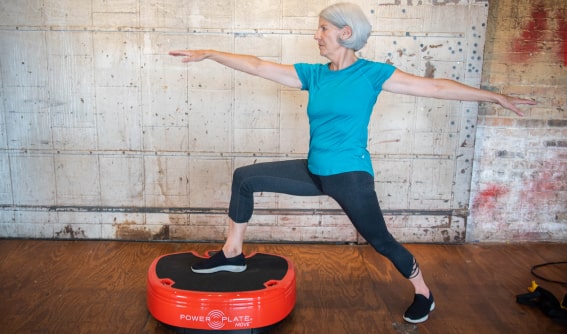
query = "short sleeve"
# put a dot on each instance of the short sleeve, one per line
(380, 72)
(304, 72)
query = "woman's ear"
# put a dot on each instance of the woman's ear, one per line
(346, 33)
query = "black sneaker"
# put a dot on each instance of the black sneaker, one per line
(419, 309)
(219, 262)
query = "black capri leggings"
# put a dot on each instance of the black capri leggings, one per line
(353, 191)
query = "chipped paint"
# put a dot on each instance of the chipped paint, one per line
(429, 70)
(70, 232)
(131, 230)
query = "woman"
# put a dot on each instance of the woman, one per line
(342, 94)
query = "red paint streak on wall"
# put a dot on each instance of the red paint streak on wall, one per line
(562, 32)
(532, 34)
(544, 185)
(536, 31)
(485, 201)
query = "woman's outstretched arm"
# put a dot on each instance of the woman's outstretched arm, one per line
(283, 74)
(404, 83)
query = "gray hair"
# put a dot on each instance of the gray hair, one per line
(348, 14)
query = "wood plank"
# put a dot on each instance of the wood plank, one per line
(99, 287)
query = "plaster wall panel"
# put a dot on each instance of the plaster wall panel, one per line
(118, 118)
(5, 184)
(115, 6)
(207, 74)
(116, 59)
(300, 8)
(70, 43)
(121, 13)
(204, 219)
(166, 180)
(255, 140)
(432, 181)
(254, 95)
(300, 49)
(71, 92)
(386, 25)
(324, 234)
(121, 225)
(210, 183)
(434, 144)
(328, 203)
(393, 183)
(293, 202)
(210, 114)
(167, 219)
(312, 220)
(402, 51)
(300, 24)
(21, 12)
(166, 138)
(77, 180)
(187, 14)
(33, 179)
(254, 14)
(256, 114)
(164, 84)
(449, 19)
(392, 125)
(392, 196)
(67, 13)
(21, 64)
(438, 116)
(248, 44)
(257, 101)
(214, 230)
(38, 224)
(294, 125)
(121, 180)
(8, 223)
(3, 129)
(28, 121)
(77, 225)
(463, 170)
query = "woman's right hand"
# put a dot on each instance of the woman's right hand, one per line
(190, 55)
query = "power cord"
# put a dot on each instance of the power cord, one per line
(544, 278)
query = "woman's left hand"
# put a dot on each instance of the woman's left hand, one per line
(511, 103)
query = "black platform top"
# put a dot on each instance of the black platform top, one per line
(261, 268)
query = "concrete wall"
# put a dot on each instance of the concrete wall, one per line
(520, 170)
(103, 135)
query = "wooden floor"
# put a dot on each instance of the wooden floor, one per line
(100, 286)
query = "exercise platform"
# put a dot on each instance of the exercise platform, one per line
(252, 301)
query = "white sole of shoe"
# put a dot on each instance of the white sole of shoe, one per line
(230, 268)
(420, 320)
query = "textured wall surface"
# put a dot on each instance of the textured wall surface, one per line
(520, 172)
(103, 135)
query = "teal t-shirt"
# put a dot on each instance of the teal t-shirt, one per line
(339, 109)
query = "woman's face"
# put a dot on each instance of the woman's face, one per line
(327, 36)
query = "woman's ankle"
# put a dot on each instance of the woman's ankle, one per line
(426, 293)
(231, 252)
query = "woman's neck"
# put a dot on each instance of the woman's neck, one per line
(343, 61)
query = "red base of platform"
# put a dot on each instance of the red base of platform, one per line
(259, 297)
